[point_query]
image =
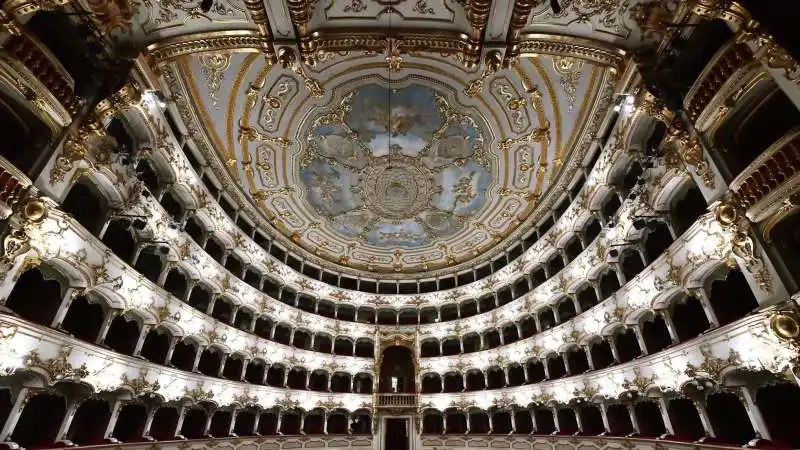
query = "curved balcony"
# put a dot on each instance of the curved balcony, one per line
(92, 270)
(47, 365)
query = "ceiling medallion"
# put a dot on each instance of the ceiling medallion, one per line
(401, 176)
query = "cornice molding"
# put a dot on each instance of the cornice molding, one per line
(245, 41)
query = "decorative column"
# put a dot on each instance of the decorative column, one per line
(554, 411)
(302, 422)
(173, 341)
(66, 302)
(110, 316)
(197, 356)
(513, 416)
(747, 395)
(444, 423)
(663, 407)
(485, 379)
(576, 304)
(634, 420)
(587, 350)
(325, 422)
(491, 421)
(245, 362)
(148, 420)
(507, 377)
(637, 330)
(546, 369)
(209, 417)
(705, 302)
(18, 400)
(578, 419)
(256, 423)
(73, 403)
(704, 419)
(116, 404)
(673, 332)
(162, 276)
(538, 322)
(210, 308)
(137, 350)
(612, 343)
(468, 423)
(565, 358)
(232, 425)
(534, 425)
(308, 380)
(181, 417)
(604, 416)
(278, 421)
(222, 360)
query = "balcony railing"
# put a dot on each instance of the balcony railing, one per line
(396, 400)
(774, 170)
(46, 67)
(730, 58)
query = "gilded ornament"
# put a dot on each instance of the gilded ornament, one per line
(245, 399)
(785, 325)
(140, 386)
(712, 367)
(58, 368)
(541, 134)
(198, 394)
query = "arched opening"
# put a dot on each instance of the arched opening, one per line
(86, 205)
(567, 422)
(432, 423)
(577, 361)
(478, 422)
(123, 334)
(656, 335)
(175, 283)
(627, 345)
(47, 292)
(732, 297)
(172, 205)
(535, 371)
(651, 424)
(524, 421)
(290, 425)
(689, 318)
(223, 310)
(337, 423)
(210, 362)
(555, 367)
(268, 423)
(276, 375)
(318, 381)
(785, 237)
(130, 422)
(256, 372)
(429, 349)
(431, 383)
(619, 420)
(184, 354)
(455, 422)
(685, 419)
(298, 378)
(195, 229)
(89, 423)
(165, 421)
(233, 368)
(687, 209)
(314, 422)
(471, 343)
(475, 380)
(495, 377)
(601, 354)
(397, 370)
(547, 319)
(729, 418)
(25, 136)
(609, 284)
(545, 422)
(631, 264)
(591, 419)
(516, 375)
(83, 319)
(118, 237)
(343, 346)
(194, 424)
(566, 310)
(200, 298)
(324, 344)
(453, 382)
(781, 421)
(245, 421)
(340, 382)
(150, 262)
(301, 339)
(657, 240)
(587, 297)
(263, 327)
(39, 422)
(148, 176)
(451, 346)
(220, 423)
(745, 135)
(501, 422)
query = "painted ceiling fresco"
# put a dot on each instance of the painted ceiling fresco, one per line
(364, 151)
(403, 167)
